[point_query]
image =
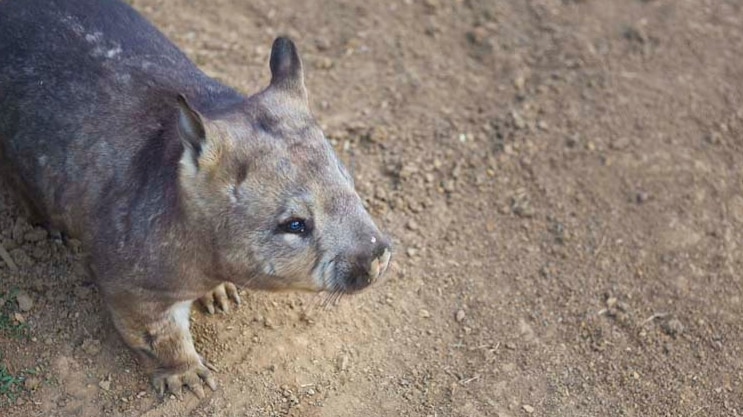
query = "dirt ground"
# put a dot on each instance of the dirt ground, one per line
(564, 183)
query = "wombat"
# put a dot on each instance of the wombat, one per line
(179, 187)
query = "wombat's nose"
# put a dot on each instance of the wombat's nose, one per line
(370, 264)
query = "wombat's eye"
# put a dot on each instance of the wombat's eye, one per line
(295, 226)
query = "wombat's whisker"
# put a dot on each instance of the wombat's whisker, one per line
(332, 296)
(335, 296)
(338, 298)
(326, 299)
(314, 302)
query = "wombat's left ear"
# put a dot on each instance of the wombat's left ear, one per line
(191, 130)
(286, 67)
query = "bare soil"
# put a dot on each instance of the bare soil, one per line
(564, 183)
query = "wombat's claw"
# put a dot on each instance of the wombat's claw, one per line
(208, 364)
(191, 378)
(220, 297)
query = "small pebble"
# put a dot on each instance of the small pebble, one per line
(82, 292)
(19, 318)
(415, 206)
(35, 235)
(673, 327)
(641, 197)
(460, 316)
(572, 140)
(105, 384)
(343, 363)
(25, 303)
(449, 186)
(432, 4)
(518, 121)
(322, 44)
(519, 82)
(529, 409)
(91, 346)
(31, 383)
(424, 313)
(324, 63)
(620, 143)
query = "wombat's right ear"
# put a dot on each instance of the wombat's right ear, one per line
(191, 130)
(286, 67)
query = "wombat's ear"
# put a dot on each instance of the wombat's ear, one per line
(190, 129)
(286, 67)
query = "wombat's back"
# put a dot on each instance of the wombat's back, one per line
(80, 42)
(86, 90)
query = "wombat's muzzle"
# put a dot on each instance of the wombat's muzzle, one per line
(367, 264)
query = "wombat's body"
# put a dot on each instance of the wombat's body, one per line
(87, 121)
(174, 183)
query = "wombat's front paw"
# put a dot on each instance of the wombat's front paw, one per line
(221, 296)
(189, 376)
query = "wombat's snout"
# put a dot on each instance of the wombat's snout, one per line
(368, 263)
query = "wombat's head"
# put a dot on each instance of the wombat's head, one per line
(266, 186)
